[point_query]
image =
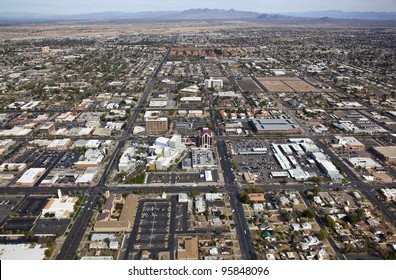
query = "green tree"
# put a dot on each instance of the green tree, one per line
(308, 214)
(329, 222)
(322, 234)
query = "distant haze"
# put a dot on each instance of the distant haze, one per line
(261, 6)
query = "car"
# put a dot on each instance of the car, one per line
(244, 231)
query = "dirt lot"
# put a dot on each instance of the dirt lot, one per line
(300, 86)
(274, 85)
(247, 84)
(286, 84)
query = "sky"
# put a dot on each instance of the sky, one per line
(262, 6)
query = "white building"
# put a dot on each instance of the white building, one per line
(21, 252)
(61, 207)
(31, 176)
(127, 161)
(214, 83)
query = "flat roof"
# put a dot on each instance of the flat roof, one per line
(388, 151)
(21, 252)
(283, 124)
(31, 175)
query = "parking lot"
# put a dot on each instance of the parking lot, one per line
(32, 206)
(8, 204)
(47, 159)
(16, 225)
(68, 160)
(51, 226)
(153, 230)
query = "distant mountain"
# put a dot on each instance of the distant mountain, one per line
(199, 14)
(193, 14)
(346, 15)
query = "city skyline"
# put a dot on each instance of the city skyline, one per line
(262, 6)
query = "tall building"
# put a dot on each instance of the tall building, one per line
(214, 83)
(205, 138)
(155, 123)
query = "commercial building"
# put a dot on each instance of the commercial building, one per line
(191, 99)
(202, 158)
(47, 128)
(213, 83)
(155, 123)
(60, 144)
(363, 162)
(387, 153)
(92, 158)
(205, 138)
(30, 177)
(286, 125)
(60, 207)
(347, 143)
(21, 251)
(127, 161)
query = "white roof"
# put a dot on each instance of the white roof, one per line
(30, 175)
(21, 252)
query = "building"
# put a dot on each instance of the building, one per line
(387, 153)
(330, 170)
(187, 248)
(30, 177)
(256, 197)
(363, 162)
(191, 99)
(60, 207)
(155, 123)
(47, 128)
(206, 138)
(126, 219)
(127, 161)
(285, 125)
(22, 251)
(202, 158)
(213, 83)
(164, 152)
(347, 143)
(60, 144)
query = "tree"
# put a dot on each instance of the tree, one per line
(195, 193)
(308, 214)
(322, 234)
(48, 253)
(329, 222)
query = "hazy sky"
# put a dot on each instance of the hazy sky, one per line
(263, 6)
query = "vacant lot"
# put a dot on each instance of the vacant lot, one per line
(274, 85)
(285, 84)
(247, 84)
(300, 86)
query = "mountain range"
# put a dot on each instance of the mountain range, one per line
(200, 14)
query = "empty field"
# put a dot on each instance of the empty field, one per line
(247, 84)
(285, 84)
(300, 86)
(274, 85)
